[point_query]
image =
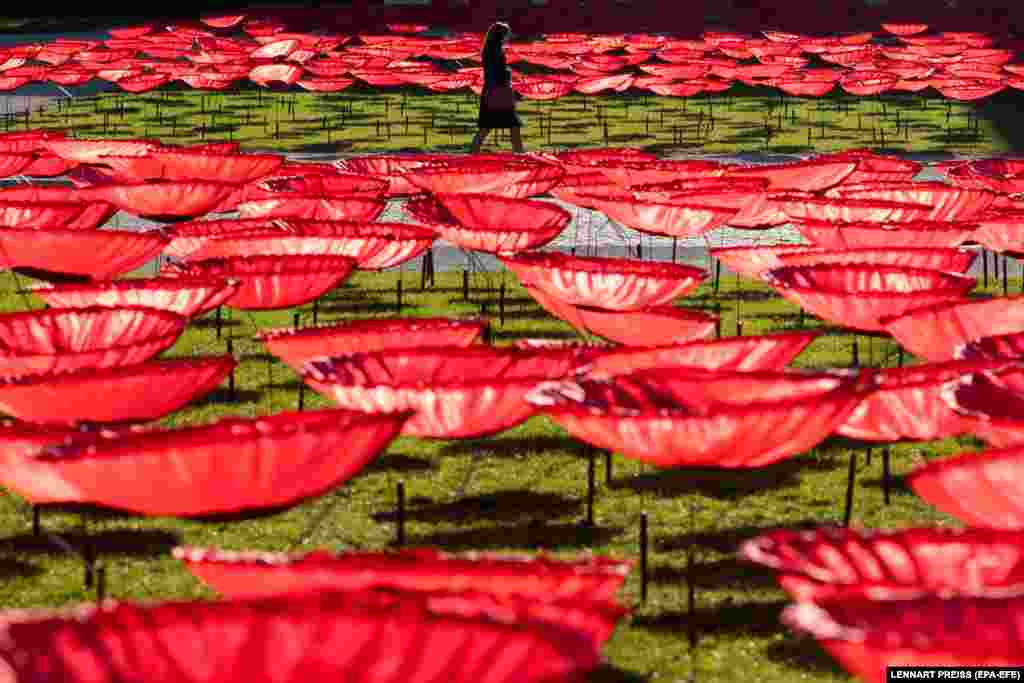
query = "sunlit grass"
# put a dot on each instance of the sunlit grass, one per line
(523, 490)
(363, 120)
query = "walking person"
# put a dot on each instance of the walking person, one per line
(498, 100)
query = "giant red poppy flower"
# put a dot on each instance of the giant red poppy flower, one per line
(640, 172)
(18, 439)
(98, 254)
(425, 209)
(29, 141)
(867, 82)
(685, 417)
(833, 563)
(754, 205)
(969, 89)
(312, 181)
(937, 332)
(298, 346)
(249, 575)
(760, 353)
(186, 165)
(873, 167)
(949, 203)
(594, 160)
(455, 392)
(812, 175)
(672, 217)
(844, 210)
(981, 489)
(49, 165)
(187, 238)
(60, 340)
(270, 74)
(489, 211)
(368, 243)
(919, 234)
(751, 262)
(543, 88)
(1000, 230)
(609, 283)
(336, 636)
(391, 168)
(483, 176)
(91, 151)
(401, 243)
(274, 282)
(1005, 176)
(209, 79)
(904, 29)
(128, 168)
(274, 461)
(867, 636)
(141, 392)
(222, 20)
(12, 164)
(135, 82)
(325, 84)
(931, 258)
(859, 296)
(499, 224)
(907, 404)
(652, 326)
(593, 83)
(184, 296)
(315, 207)
(20, 214)
(799, 85)
(92, 214)
(164, 201)
(995, 407)
(1009, 346)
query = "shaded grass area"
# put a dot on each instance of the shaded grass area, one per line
(362, 120)
(523, 490)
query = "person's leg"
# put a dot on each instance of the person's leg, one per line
(517, 141)
(478, 140)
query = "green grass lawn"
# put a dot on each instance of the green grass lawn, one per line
(363, 120)
(523, 490)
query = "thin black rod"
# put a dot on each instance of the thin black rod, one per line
(400, 516)
(643, 557)
(850, 481)
(591, 485)
(886, 474)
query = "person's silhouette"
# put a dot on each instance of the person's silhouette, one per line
(497, 76)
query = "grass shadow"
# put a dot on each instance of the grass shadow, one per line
(727, 540)
(126, 542)
(509, 447)
(606, 673)
(361, 308)
(804, 653)
(714, 482)
(211, 323)
(399, 463)
(730, 573)
(898, 485)
(754, 618)
(224, 396)
(526, 535)
(502, 506)
(11, 568)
